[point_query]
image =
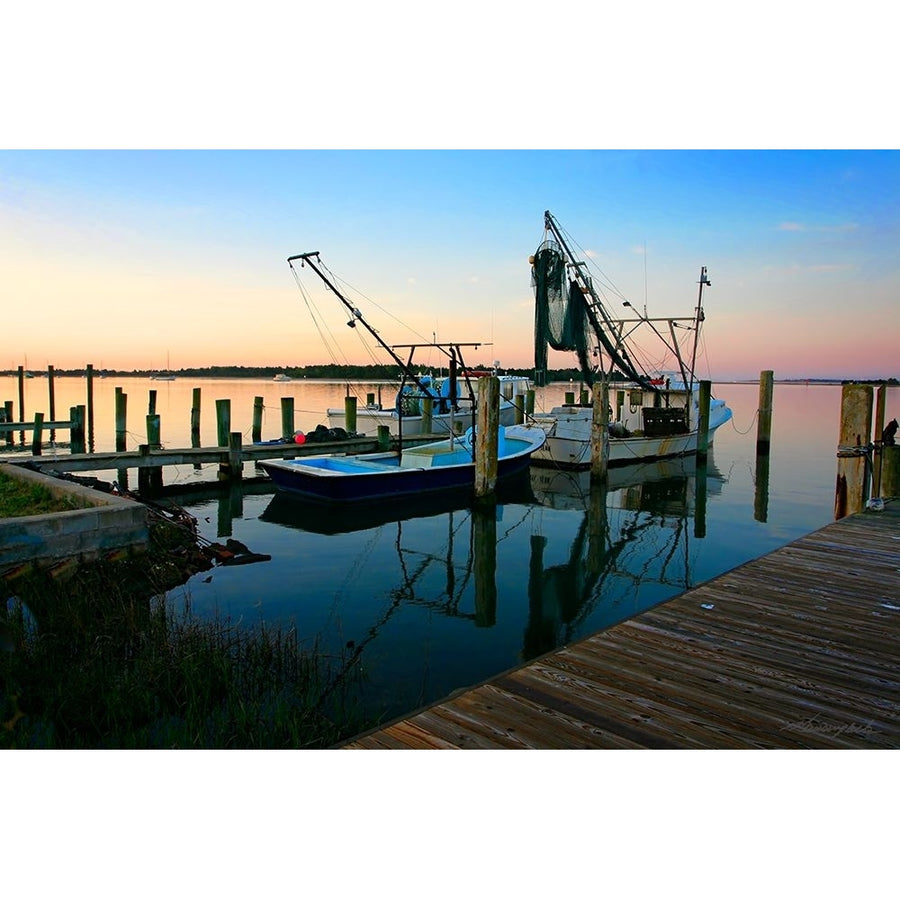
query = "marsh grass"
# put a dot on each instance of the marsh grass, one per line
(19, 498)
(101, 659)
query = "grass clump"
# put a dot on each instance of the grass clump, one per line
(20, 498)
(90, 662)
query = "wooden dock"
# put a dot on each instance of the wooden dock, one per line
(798, 649)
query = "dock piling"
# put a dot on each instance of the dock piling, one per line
(287, 418)
(195, 418)
(851, 488)
(764, 422)
(223, 422)
(256, 431)
(600, 432)
(487, 435)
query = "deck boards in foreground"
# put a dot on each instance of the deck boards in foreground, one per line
(798, 649)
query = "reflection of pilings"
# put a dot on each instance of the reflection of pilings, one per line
(484, 535)
(853, 445)
(597, 526)
(540, 631)
(700, 495)
(230, 507)
(761, 497)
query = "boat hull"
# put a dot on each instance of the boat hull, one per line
(427, 469)
(568, 441)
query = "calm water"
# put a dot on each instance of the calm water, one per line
(446, 598)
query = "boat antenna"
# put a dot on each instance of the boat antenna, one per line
(311, 259)
(698, 319)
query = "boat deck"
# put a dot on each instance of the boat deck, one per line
(797, 649)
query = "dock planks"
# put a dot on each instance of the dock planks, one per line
(799, 649)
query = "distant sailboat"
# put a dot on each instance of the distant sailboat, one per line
(167, 375)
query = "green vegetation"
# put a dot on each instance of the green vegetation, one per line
(87, 661)
(327, 371)
(20, 498)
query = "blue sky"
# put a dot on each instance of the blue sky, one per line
(148, 254)
(145, 252)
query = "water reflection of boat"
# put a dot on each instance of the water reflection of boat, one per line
(570, 488)
(630, 548)
(286, 510)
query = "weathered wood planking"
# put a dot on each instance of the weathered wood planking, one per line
(798, 649)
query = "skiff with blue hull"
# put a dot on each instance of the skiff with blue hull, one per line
(447, 465)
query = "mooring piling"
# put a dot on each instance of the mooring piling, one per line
(764, 421)
(853, 469)
(486, 440)
(600, 432)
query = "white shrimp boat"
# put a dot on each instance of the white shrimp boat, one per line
(652, 414)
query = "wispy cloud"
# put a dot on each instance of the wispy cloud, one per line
(801, 226)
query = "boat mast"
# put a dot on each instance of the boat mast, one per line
(698, 319)
(357, 316)
(617, 351)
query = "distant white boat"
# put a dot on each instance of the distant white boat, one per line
(281, 377)
(167, 375)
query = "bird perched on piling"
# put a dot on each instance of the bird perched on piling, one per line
(890, 433)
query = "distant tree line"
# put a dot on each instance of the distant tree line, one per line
(335, 372)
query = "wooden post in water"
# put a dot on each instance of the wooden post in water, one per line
(89, 404)
(890, 471)
(154, 473)
(256, 430)
(519, 404)
(77, 416)
(37, 434)
(195, 418)
(8, 409)
(529, 401)
(153, 431)
(121, 418)
(600, 432)
(287, 418)
(700, 500)
(703, 424)
(384, 437)
(349, 413)
(234, 468)
(223, 422)
(764, 422)
(427, 415)
(877, 456)
(853, 445)
(151, 403)
(21, 402)
(51, 397)
(487, 435)
(569, 399)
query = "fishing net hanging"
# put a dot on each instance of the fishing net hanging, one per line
(560, 319)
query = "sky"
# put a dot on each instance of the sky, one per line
(133, 259)
(153, 181)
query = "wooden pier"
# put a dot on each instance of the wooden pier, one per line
(798, 649)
